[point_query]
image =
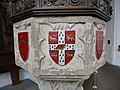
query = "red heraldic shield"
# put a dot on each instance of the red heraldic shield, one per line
(69, 55)
(99, 43)
(23, 45)
(62, 46)
(54, 55)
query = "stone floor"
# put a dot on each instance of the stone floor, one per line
(27, 84)
(107, 78)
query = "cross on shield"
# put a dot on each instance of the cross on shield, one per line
(99, 43)
(61, 46)
(23, 45)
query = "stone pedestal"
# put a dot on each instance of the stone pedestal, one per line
(61, 85)
(62, 52)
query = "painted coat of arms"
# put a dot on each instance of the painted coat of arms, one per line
(23, 45)
(61, 46)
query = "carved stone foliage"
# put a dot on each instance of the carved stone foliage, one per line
(21, 9)
(64, 2)
(103, 5)
(17, 6)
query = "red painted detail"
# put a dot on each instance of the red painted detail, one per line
(53, 37)
(54, 55)
(61, 51)
(23, 45)
(60, 46)
(70, 37)
(69, 54)
(99, 43)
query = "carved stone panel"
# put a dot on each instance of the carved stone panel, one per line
(17, 6)
(61, 52)
(65, 50)
(60, 48)
(22, 37)
(21, 9)
(63, 3)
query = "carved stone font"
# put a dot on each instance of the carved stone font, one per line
(61, 52)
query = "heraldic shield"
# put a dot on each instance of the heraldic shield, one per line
(99, 43)
(62, 46)
(23, 45)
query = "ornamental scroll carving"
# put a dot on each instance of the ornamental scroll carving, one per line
(103, 5)
(64, 2)
(17, 6)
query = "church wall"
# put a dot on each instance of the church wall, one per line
(113, 34)
(116, 59)
(5, 79)
(110, 36)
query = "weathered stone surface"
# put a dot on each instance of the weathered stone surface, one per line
(89, 47)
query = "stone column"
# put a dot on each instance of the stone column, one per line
(62, 52)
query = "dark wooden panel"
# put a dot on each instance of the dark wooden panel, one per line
(7, 64)
(7, 61)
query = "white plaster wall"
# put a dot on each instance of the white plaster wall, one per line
(113, 34)
(110, 36)
(25, 74)
(116, 54)
(5, 78)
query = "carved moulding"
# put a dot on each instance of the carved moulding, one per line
(18, 6)
(63, 3)
(21, 9)
(85, 47)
